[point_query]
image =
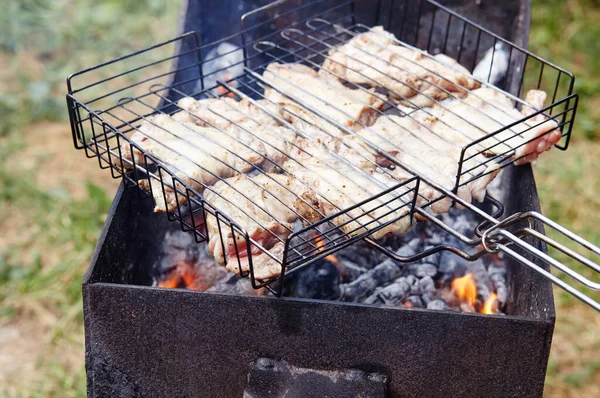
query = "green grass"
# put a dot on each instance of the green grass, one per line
(52, 232)
(566, 33)
(47, 267)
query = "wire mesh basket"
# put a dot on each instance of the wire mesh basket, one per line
(110, 103)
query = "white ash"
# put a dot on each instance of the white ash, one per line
(423, 270)
(437, 305)
(418, 284)
(482, 280)
(362, 274)
(497, 273)
(366, 284)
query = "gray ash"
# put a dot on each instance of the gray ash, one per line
(360, 273)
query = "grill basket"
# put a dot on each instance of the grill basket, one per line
(108, 102)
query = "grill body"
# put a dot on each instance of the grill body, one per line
(145, 341)
(152, 342)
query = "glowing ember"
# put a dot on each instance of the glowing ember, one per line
(490, 305)
(331, 258)
(222, 90)
(172, 281)
(184, 276)
(464, 288)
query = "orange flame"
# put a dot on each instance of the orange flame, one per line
(465, 289)
(172, 281)
(186, 276)
(222, 90)
(331, 258)
(489, 307)
(183, 276)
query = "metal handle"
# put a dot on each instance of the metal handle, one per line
(498, 238)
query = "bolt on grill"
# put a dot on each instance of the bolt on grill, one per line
(107, 113)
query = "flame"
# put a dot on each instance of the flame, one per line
(172, 281)
(183, 276)
(331, 258)
(222, 90)
(489, 307)
(465, 289)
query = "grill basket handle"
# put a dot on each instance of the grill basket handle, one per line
(499, 239)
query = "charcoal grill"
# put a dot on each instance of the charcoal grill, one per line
(138, 337)
(284, 32)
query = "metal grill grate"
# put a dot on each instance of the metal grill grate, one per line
(107, 114)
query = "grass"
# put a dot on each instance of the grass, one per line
(53, 201)
(566, 32)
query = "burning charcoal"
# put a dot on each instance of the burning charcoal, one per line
(451, 266)
(349, 270)
(396, 242)
(393, 294)
(414, 302)
(185, 264)
(427, 284)
(481, 278)
(409, 249)
(497, 275)
(496, 270)
(422, 270)
(460, 221)
(373, 299)
(502, 292)
(429, 297)
(235, 284)
(413, 282)
(361, 255)
(433, 258)
(437, 305)
(317, 281)
(366, 284)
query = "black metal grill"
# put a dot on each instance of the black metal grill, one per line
(293, 32)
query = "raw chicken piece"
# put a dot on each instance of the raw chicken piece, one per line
(377, 58)
(485, 111)
(198, 156)
(267, 210)
(352, 109)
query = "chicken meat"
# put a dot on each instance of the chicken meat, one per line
(351, 109)
(196, 156)
(339, 185)
(244, 121)
(267, 207)
(410, 76)
(485, 111)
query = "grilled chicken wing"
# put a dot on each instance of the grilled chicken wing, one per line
(485, 111)
(377, 58)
